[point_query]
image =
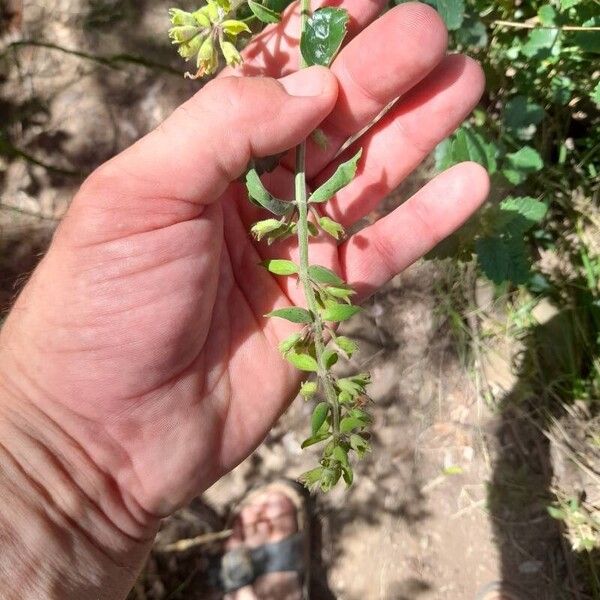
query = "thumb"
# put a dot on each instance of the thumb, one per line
(190, 159)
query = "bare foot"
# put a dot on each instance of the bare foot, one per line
(266, 517)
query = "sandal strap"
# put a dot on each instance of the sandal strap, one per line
(242, 566)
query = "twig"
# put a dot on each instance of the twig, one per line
(186, 544)
(516, 25)
(112, 61)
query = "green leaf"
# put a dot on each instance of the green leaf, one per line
(349, 424)
(279, 266)
(470, 145)
(473, 33)
(451, 11)
(522, 163)
(315, 439)
(522, 115)
(334, 229)
(340, 292)
(295, 314)
(308, 389)
(596, 94)
(320, 138)
(260, 196)
(556, 513)
(324, 275)
(339, 312)
(303, 362)
(453, 470)
(348, 346)
(323, 35)
(343, 175)
(289, 342)
(518, 215)
(311, 478)
(319, 416)
(588, 41)
(547, 15)
(359, 445)
(539, 43)
(330, 357)
(264, 228)
(262, 13)
(503, 260)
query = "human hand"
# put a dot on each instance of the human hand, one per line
(140, 339)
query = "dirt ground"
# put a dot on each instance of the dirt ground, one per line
(453, 495)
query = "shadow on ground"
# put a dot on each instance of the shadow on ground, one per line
(535, 555)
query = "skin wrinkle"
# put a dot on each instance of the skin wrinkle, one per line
(104, 474)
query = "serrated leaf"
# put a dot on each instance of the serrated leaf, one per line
(323, 35)
(339, 312)
(451, 11)
(521, 164)
(303, 362)
(319, 416)
(324, 275)
(343, 175)
(295, 314)
(280, 266)
(503, 260)
(540, 42)
(262, 13)
(518, 215)
(260, 196)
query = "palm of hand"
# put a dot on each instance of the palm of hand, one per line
(157, 352)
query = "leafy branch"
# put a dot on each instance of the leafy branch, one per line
(339, 419)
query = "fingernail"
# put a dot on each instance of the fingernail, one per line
(306, 82)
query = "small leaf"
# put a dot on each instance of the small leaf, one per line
(280, 266)
(451, 11)
(323, 35)
(556, 513)
(311, 478)
(453, 470)
(343, 175)
(324, 275)
(522, 115)
(303, 362)
(289, 342)
(319, 416)
(341, 293)
(339, 312)
(359, 445)
(315, 439)
(348, 346)
(308, 389)
(349, 424)
(330, 477)
(330, 357)
(335, 230)
(262, 13)
(295, 314)
(260, 196)
(264, 228)
(320, 138)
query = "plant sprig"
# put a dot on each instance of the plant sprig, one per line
(340, 418)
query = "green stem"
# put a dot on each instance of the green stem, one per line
(304, 263)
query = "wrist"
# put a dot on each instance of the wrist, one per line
(67, 530)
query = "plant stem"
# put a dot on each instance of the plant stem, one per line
(304, 263)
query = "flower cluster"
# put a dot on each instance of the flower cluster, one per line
(202, 33)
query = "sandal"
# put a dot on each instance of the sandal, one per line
(267, 555)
